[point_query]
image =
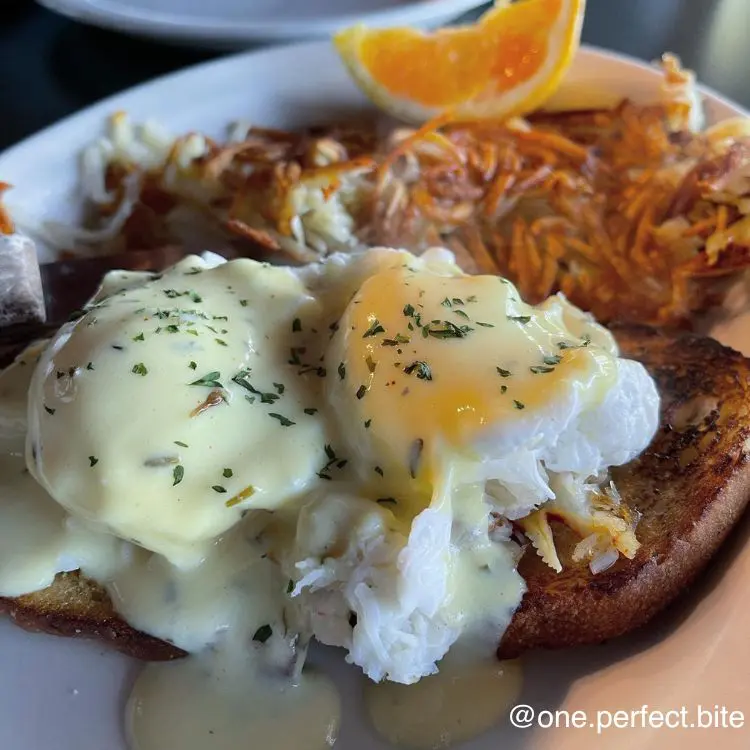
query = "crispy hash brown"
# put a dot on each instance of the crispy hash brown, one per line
(631, 212)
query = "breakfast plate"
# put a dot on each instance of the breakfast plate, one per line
(692, 657)
(234, 23)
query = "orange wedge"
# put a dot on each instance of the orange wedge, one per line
(508, 63)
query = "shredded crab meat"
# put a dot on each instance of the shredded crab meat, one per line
(607, 530)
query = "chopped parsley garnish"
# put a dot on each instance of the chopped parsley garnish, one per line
(461, 313)
(296, 325)
(220, 342)
(368, 422)
(541, 369)
(422, 370)
(48, 409)
(503, 373)
(371, 364)
(290, 586)
(333, 459)
(399, 339)
(522, 319)
(374, 329)
(172, 328)
(311, 410)
(172, 293)
(139, 369)
(218, 488)
(387, 501)
(279, 388)
(265, 398)
(195, 297)
(211, 380)
(409, 311)
(193, 365)
(361, 391)
(263, 633)
(341, 370)
(449, 330)
(180, 443)
(485, 325)
(139, 337)
(282, 419)
(553, 359)
(90, 366)
(378, 470)
(118, 347)
(503, 389)
(227, 473)
(472, 298)
(446, 302)
(177, 474)
(585, 341)
(93, 460)
(518, 404)
(243, 302)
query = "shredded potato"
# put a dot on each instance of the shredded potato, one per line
(631, 212)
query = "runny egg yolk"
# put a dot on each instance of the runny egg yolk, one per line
(433, 361)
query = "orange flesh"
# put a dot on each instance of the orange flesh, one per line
(505, 49)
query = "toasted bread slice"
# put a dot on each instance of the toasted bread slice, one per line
(690, 486)
(76, 607)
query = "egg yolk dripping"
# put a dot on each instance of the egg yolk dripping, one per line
(427, 361)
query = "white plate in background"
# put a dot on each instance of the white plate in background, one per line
(234, 23)
(60, 694)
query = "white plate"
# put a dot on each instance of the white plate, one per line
(234, 23)
(68, 695)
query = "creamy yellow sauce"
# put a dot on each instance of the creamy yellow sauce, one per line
(434, 361)
(192, 706)
(37, 537)
(173, 470)
(465, 699)
(247, 457)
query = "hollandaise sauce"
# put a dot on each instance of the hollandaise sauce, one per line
(248, 457)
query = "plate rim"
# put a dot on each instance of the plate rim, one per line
(427, 13)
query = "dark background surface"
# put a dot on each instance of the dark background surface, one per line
(51, 67)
